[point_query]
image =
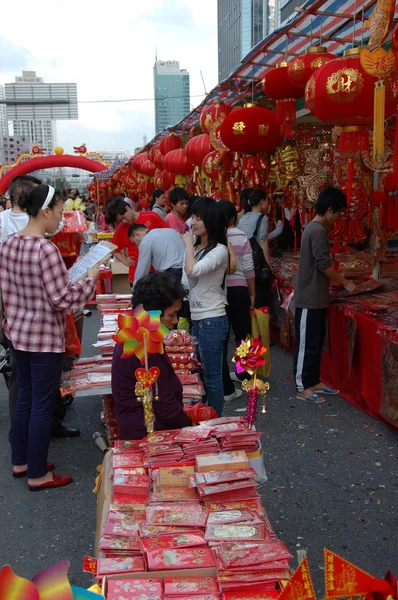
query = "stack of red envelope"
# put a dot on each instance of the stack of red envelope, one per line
(114, 566)
(131, 589)
(191, 588)
(251, 565)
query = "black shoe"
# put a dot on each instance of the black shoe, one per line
(65, 432)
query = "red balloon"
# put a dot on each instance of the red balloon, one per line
(170, 143)
(300, 69)
(251, 130)
(178, 163)
(197, 148)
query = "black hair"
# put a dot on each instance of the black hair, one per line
(116, 206)
(227, 211)
(20, 188)
(136, 227)
(206, 209)
(244, 199)
(155, 195)
(191, 202)
(156, 291)
(256, 197)
(38, 196)
(330, 197)
(178, 194)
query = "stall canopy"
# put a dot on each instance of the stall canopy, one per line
(335, 24)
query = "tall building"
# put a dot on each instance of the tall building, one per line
(13, 146)
(3, 125)
(241, 25)
(171, 85)
(34, 107)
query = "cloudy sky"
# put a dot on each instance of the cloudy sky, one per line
(108, 49)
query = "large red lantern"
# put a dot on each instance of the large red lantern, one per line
(341, 92)
(148, 168)
(138, 160)
(212, 113)
(250, 130)
(277, 86)
(178, 163)
(170, 143)
(300, 69)
(168, 179)
(197, 148)
(208, 165)
(146, 187)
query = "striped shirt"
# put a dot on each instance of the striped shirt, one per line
(244, 258)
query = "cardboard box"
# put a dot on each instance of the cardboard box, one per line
(174, 476)
(120, 281)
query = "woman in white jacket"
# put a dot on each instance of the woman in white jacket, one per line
(206, 264)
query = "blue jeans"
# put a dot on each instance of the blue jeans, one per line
(39, 374)
(210, 334)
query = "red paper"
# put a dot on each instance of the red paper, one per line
(125, 564)
(190, 586)
(180, 558)
(181, 514)
(177, 540)
(131, 589)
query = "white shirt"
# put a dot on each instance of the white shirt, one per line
(11, 222)
(207, 294)
(163, 249)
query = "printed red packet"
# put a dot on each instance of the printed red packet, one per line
(190, 586)
(131, 589)
(178, 540)
(125, 564)
(180, 558)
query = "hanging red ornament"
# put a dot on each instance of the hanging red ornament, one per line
(195, 130)
(197, 148)
(146, 187)
(212, 113)
(177, 162)
(300, 69)
(148, 168)
(169, 143)
(138, 160)
(250, 130)
(208, 168)
(168, 179)
(277, 86)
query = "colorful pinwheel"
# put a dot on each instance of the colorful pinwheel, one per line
(139, 331)
(249, 355)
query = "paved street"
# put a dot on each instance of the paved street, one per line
(333, 481)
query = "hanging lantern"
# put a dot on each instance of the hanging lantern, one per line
(300, 69)
(277, 86)
(177, 162)
(138, 160)
(208, 167)
(146, 187)
(158, 180)
(170, 143)
(148, 168)
(212, 113)
(197, 148)
(195, 130)
(168, 179)
(250, 130)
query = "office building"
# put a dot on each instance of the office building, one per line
(3, 125)
(286, 10)
(171, 88)
(34, 107)
(13, 146)
(242, 24)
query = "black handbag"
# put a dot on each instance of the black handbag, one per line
(262, 269)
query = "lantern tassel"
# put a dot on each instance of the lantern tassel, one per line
(378, 119)
(350, 178)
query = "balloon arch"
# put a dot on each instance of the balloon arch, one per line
(48, 162)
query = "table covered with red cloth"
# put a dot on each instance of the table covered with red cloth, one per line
(367, 377)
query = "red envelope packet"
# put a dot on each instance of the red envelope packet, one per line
(236, 531)
(121, 529)
(241, 554)
(160, 437)
(246, 595)
(201, 597)
(180, 558)
(182, 514)
(232, 516)
(147, 530)
(174, 494)
(128, 460)
(110, 542)
(131, 589)
(225, 476)
(126, 471)
(125, 502)
(220, 488)
(126, 446)
(177, 540)
(190, 586)
(137, 485)
(254, 504)
(192, 434)
(125, 564)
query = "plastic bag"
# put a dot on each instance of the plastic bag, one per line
(72, 342)
(256, 461)
(260, 327)
(200, 412)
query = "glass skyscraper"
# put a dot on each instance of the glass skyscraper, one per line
(241, 25)
(171, 85)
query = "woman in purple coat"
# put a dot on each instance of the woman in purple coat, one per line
(156, 291)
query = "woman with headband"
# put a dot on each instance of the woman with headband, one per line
(37, 293)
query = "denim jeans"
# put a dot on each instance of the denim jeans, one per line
(210, 334)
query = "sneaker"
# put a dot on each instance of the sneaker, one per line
(236, 394)
(234, 377)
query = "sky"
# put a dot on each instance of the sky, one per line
(108, 49)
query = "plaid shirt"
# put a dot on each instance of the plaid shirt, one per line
(37, 293)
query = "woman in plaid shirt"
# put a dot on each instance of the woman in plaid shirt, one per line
(37, 293)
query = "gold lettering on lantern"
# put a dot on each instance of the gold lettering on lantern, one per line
(310, 94)
(263, 129)
(345, 85)
(239, 128)
(297, 69)
(318, 62)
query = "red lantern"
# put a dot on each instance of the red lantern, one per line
(250, 130)
(211, 113)
(158, 181)
(195, 130)
(157, 158)
(208, 167)
(168, 179)
(148, 168)
(277, 85)
(170, 143)
(300, 69)
(177, 162)
(138, 161)
(197, 148)
(146, 187)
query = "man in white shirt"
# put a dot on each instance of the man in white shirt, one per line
(164, 249)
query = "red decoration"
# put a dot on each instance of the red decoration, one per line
(195, 130)
(250, 130)
(148, 168)
(277, 85)
(168, 179)
(211, 113)
(157, 158)
(197, 148)
(300, 69)
(146, 187)
(138, 160)
(170, 143)
(207, 165)
(177, 162)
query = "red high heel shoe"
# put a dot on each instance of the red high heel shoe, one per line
(57, 481)
(17, 475)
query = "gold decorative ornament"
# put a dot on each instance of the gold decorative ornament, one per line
(344, 85)
(239, 128)
(263, 129)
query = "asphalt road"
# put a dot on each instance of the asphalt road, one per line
(332, 482)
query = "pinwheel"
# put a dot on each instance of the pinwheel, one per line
(141, 331)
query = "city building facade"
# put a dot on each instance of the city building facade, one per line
(242, 24)
(171, 90)
(13, 146)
